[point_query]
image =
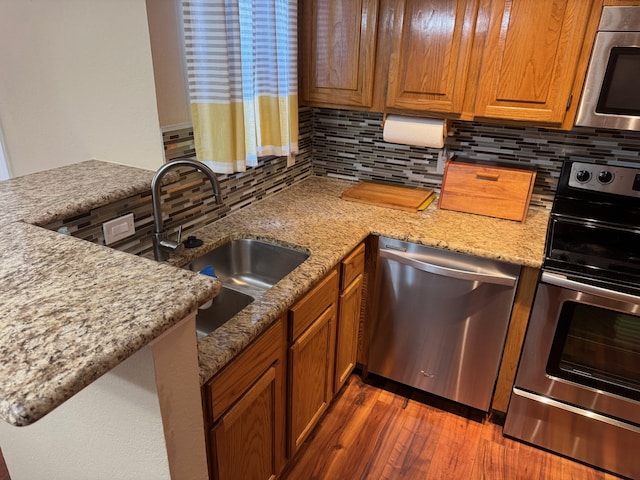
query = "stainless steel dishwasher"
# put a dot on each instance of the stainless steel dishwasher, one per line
(441, 320)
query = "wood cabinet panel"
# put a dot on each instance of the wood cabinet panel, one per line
(352, 266)
(305, 312)
(622, 3)
(515, 337)
(520, 61)
(311, 358)
(349, 314)
(244, 440)
(338, 49)
(431, 52)
(530, 59)
(347, 331)
(227, 386)
(246, 410)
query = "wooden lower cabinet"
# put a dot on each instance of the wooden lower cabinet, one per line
(311, 386)
(256, 419)
(244, 438)
(349, 308)
(245, 410)
(312, 333)
(323, 344)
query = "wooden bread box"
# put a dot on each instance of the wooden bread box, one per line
(485, 188)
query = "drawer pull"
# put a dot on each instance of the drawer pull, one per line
(493, 177)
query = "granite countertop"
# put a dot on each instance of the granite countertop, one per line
(311, 216)
(73, 310)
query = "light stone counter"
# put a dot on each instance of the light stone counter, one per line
(312, 217)
(73, 310)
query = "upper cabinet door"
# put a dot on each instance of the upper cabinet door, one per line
(530, 59)
(338, 48)
(429, 62)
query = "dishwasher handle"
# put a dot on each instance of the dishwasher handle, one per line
(405, 259)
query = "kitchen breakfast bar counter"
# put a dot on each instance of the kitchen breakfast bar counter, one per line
(73, 310)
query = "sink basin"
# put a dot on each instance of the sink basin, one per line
(224, 306)
(245, 267)
(250, 264)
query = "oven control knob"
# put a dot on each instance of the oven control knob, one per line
(583, 176)
(605, 176)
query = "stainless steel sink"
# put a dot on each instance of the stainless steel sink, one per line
(228, 303)
(248, 263)
(246, 267)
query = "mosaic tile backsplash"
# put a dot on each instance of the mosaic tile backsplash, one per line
(189, 201)
(349, 145)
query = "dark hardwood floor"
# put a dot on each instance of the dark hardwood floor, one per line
(4, 474)
(372, 433)
(398, 433)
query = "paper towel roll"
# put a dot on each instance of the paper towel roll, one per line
(424, 132)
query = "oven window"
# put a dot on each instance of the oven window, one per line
(620, 93)
(599, 348)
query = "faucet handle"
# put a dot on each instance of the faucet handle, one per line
(171, 246)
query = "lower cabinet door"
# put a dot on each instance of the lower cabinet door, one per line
(244, 441)
(347, 331)
(311, 368)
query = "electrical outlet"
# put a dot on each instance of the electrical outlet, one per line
(118, 228)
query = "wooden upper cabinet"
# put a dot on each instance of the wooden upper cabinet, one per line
(531, 57)
(429, 62)
(337, 54)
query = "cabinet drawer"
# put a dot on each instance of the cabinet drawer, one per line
(495, 191)
(313, 304)
(236, 378)
(352, 266)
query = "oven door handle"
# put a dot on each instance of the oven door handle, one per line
(564, 282)
(481, 277)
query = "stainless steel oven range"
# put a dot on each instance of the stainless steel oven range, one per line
(577, 390)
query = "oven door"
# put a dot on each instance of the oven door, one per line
(582, 348)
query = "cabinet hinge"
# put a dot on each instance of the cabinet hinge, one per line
(569, 101)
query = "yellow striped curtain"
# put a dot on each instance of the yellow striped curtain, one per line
(241, 60)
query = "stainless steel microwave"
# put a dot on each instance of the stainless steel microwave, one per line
(611, 93)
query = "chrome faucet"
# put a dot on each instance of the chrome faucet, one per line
(161, 245)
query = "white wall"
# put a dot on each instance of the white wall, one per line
(143, 420)
(111, 429)
(168, 62)
(76, 83)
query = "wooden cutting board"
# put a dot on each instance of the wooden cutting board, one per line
(391, 196)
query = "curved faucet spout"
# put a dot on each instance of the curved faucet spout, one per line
(161, 245)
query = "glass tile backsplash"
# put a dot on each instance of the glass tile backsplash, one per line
(349, 145)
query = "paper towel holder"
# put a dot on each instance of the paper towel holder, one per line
(446, 127)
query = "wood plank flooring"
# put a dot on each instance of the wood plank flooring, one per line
(375, 433)
(4, 474)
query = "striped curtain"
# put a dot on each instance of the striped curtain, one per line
(242, 72)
